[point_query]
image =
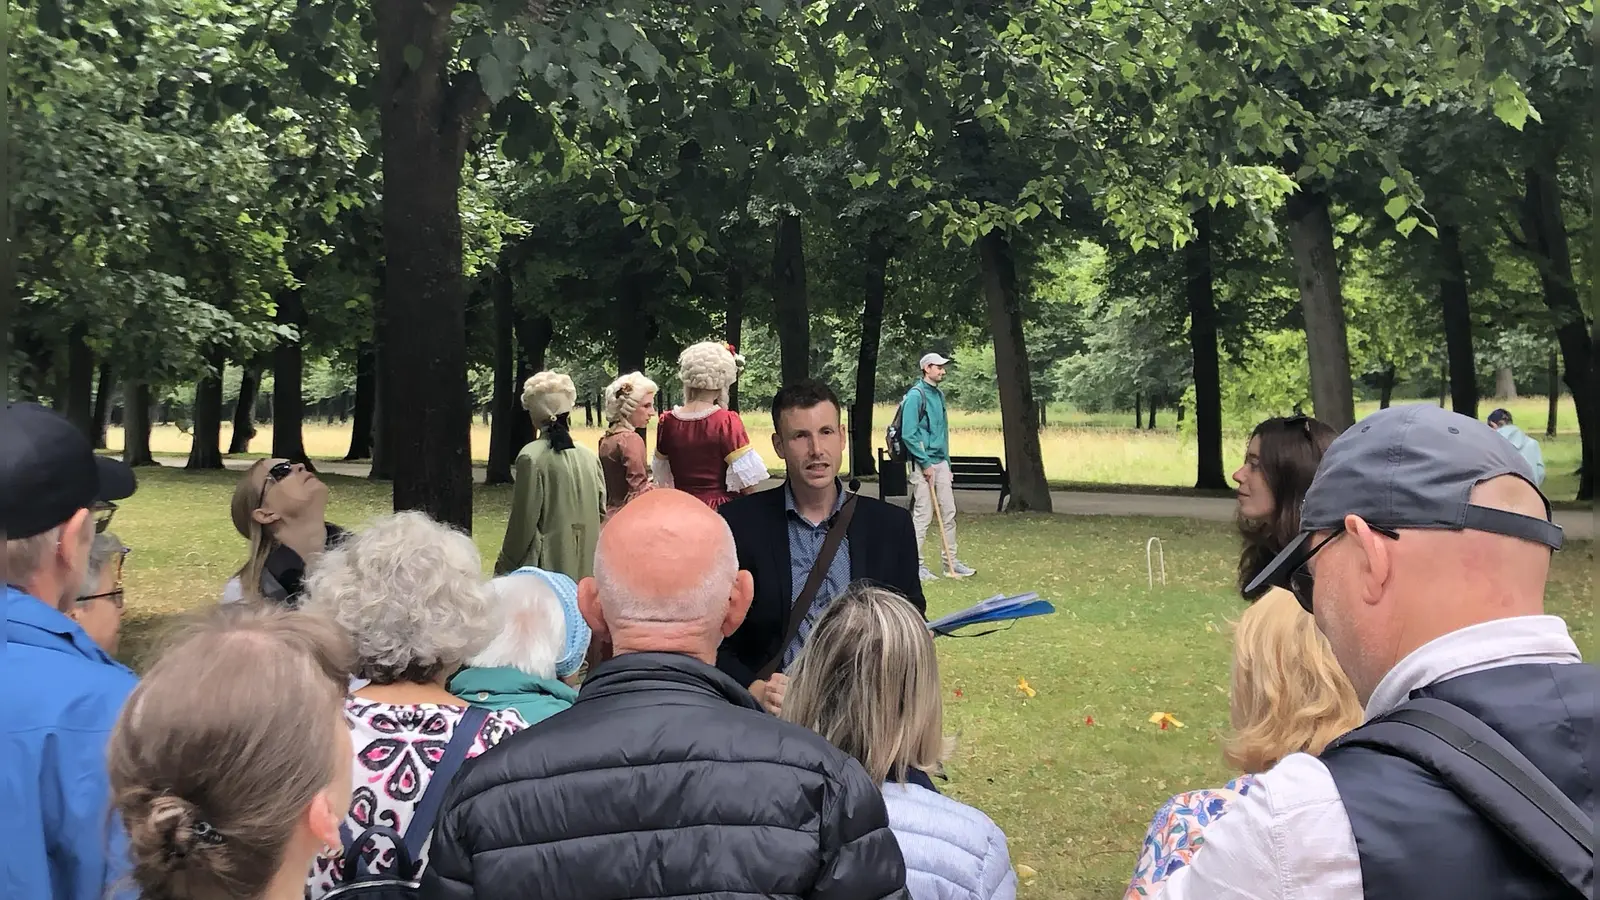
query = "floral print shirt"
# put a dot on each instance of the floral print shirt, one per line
(397, 748)
(1178, 831)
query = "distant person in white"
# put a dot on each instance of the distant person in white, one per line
(1500, 421)
(1409, 600)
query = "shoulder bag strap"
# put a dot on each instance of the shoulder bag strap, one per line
(1461, 750)
(455, 753)
(819, 571)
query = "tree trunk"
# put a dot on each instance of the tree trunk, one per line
(733, 326)
(425, 120)
(1030, 492)
(102, 406)
(1553, 390)
(1150, 425)
(1203, 346)
(288, 407)
(205, 451)
(506, 409)
(366, 395)
(1455, 304)
(790, 306)
(1138, 411)
(1386, 381)
(77, 402)
(1322, 302)
(243, 428)
(533, 338)
(1505, 383)
(136, 424)
(1546, 231)
(632, 328)
(861, 441)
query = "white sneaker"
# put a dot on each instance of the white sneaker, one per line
(962, 570)
(925, 575)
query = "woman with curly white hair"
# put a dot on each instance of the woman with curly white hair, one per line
(630, 401)
(560, 494)
(410, 593)
(701, 447)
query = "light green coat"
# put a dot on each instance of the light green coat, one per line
(555, 511)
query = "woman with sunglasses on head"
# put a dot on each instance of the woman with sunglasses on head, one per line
(278, 506)
(99, 610)
(1288, 694)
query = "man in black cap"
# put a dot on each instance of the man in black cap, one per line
(60, 694)
(1423, 554)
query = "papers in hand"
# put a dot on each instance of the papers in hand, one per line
(998, 608)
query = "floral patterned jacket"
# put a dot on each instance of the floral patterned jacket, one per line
(1178, 831)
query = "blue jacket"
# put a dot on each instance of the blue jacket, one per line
(1528, 447)
(61, 698)
(952, 851)
(924, 429)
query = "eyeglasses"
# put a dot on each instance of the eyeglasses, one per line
(102, 516)
(1303, 584)
(115, 594)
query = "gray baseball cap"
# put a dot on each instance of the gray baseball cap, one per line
(1406, 467)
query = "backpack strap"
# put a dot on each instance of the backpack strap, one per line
(1491, 776)
(455, 753)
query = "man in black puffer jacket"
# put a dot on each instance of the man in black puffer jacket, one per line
(666, 778)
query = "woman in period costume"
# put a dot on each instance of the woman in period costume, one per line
(701, 446)
(560, 492)
(629, 403)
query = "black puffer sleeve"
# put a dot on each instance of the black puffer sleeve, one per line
(860, 857)
(449, 872)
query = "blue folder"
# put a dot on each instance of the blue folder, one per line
(998, 608)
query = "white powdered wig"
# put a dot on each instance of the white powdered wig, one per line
(624, 395)
(709, 366)
(547, 395)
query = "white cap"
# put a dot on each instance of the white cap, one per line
(932, 359)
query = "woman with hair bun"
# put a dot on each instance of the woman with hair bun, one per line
(230, 764)
(630, 401)
(560, 494)
(702, 448)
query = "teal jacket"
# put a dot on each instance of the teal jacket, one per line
(1528, 447)
(923, 427)
(503, 687)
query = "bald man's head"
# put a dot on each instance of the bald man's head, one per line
(667, 560)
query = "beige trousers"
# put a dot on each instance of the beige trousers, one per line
(922, 507)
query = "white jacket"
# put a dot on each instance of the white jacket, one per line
(952, 851)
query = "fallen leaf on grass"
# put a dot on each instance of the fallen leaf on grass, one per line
(1164, 719)
(1026, 873)
(1088, 720)
(958, 693)
(1025, 688)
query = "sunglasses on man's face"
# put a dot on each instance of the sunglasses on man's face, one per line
(1303, 584)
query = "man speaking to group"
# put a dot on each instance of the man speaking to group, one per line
(805, 541)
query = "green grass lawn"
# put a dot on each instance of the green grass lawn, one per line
(1080, 449)
(1073, 798)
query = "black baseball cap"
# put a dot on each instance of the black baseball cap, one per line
(1410, 467)
(49, 471)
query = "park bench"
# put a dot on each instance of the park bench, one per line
(968, 473)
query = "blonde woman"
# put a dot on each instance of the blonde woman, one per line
(702, 448)
(560, 494)
(630, 401)
(279, 507)
(1288, 696)
(230, 764)
(868, 681)
(410, 592)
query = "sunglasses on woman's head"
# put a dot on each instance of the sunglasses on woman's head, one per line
(1302, 583)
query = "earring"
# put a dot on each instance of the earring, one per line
(330, 852)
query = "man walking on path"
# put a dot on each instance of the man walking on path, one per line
(927, 441)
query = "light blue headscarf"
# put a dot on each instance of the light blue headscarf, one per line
(578, 633)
